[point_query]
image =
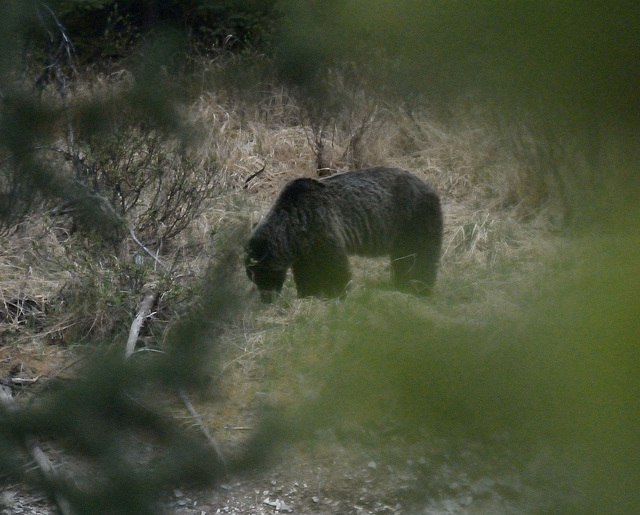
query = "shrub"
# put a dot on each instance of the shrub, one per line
(149, 178)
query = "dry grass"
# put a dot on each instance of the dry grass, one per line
(491, 250)
(64, 294)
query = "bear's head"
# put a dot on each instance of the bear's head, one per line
(262, 270)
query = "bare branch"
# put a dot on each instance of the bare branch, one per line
(155, 258)
(64, 52)
(253, 176)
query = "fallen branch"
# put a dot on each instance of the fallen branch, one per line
(21, 381)
(143, 312)
(50, 473)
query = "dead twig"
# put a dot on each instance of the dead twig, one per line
(155, 258)
(22, 381)
(58, 56)
(253, 176)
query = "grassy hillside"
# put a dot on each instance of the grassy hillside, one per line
(530, 332)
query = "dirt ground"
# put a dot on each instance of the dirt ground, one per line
(431, 476)
(357, 470)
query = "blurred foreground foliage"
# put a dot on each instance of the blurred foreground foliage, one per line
(565, 372)
(93, 158)
(568, 70)
(114, 424)
(560, 377)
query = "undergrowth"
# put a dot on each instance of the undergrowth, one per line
(463, 360)
(179, 197)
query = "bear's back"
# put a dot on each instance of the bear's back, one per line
(369, 205)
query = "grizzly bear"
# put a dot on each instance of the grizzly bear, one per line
(315, 224)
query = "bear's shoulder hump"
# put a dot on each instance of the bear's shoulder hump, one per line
(299, 187)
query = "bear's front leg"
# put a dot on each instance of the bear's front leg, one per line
(324, 274)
